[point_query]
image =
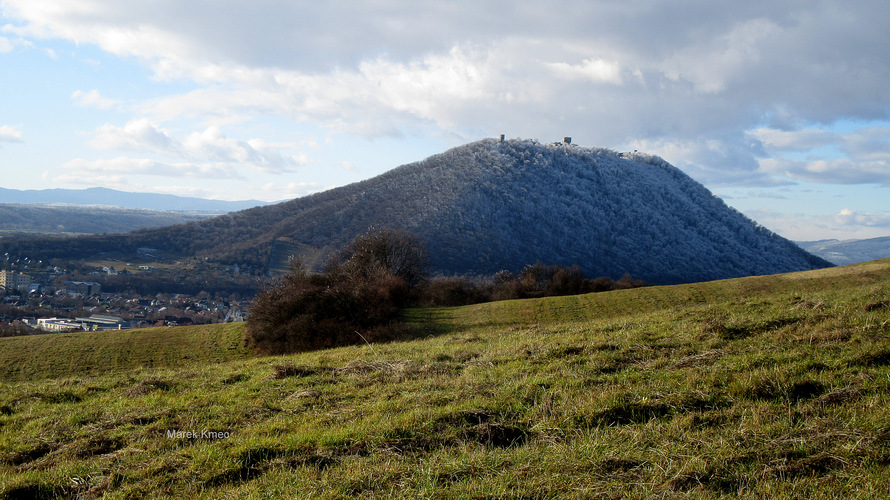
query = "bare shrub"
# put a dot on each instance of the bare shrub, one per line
(363, 289)
(451, 291)
(385, 251)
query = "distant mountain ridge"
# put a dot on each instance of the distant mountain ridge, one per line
(88, 219)
(843, 252)
(488, 206)
(112, 197)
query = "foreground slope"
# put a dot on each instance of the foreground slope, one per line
(488, 206)
(77, 354)
(767, 387)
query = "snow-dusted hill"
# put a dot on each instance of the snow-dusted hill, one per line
(490, 205)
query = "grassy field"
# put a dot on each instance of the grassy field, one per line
(133, 266)
(767, 387)
(90, 353)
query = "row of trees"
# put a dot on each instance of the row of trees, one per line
(13, 329)
(534, 281)
(359, 296)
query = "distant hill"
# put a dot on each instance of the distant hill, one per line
(843, 252)
(490, 205)
(86, 219)
(111, 197)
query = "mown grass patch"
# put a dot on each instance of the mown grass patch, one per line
(90, 353)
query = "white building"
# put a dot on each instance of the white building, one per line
(13, 282)
(58, 325)
(99, 322)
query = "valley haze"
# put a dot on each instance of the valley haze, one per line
(114, 198)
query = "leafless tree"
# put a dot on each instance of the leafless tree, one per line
(391, 251)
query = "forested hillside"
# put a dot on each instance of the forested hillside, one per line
(490, 205)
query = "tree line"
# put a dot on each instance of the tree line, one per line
(364, 287)
(534, 281)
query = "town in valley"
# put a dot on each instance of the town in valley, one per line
(41, 298)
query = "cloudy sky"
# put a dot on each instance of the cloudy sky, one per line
(780, 107)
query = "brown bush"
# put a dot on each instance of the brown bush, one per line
(451, 291)
(363, 289)
(538, 280)
(317, 311)
(566, 281)
(387, 251)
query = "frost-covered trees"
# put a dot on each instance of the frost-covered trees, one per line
(490, 205)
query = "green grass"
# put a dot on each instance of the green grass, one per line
(89, 353)
(769, 387)
(132, 266)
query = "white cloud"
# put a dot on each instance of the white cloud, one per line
(713, 162)
(595, 70)
(872, 143)
(213, 145)
(682, 80)
(846, 224)
(92, 98)
(858, 157)
(73, 178)
(126, 166)
(745, 53)
(793, 140)
(10, 134)
(120, 165)
(848, 217)
(713, 66)
(136, 135)
(375, 99)
(199, 149)
(835, 171)
(8, 45)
